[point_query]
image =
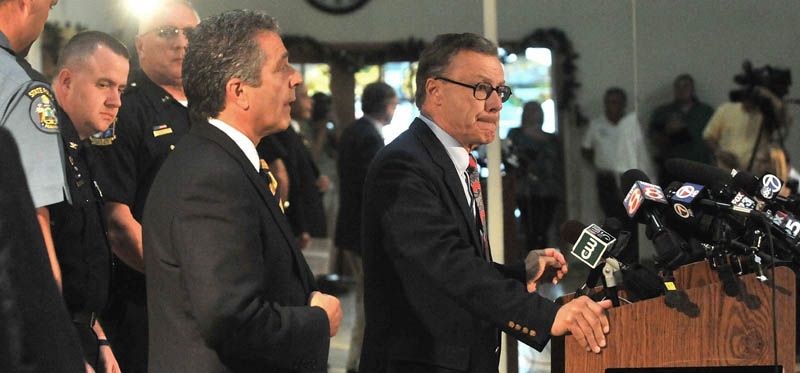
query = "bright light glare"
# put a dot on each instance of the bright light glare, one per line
(142, 7)
(511, 58)
(549, 109)
(540, 55)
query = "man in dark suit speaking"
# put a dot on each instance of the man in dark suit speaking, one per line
(227, 288)
(434, 300)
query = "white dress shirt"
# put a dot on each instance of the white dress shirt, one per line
(242, 141)
(458, 155)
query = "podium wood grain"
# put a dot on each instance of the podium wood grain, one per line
(728, 331)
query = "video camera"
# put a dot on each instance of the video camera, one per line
(774, 79)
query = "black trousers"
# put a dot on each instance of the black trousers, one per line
(127, 332)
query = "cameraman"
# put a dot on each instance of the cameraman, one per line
(739, 130)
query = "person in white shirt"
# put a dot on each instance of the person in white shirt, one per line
(614, 144)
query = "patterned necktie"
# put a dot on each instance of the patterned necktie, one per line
(273, 184)
(477, 198)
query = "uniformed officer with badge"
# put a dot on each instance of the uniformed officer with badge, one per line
(92, 73)
(151, 121)
(46, 341)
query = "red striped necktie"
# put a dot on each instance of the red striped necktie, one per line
(477, 198)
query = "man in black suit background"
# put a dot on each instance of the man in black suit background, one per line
(227, 287)
(434, 300)
(358, 144)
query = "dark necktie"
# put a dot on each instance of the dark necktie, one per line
(273, 184)
(477, 198)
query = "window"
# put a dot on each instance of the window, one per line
(399, 75)
(529, 77)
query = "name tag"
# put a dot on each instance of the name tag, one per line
(161, 130)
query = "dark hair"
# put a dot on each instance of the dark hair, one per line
(375, 98)
(616, 91)
(221, 48)
(435, 58)
(83, 44)
(686, 77)
(321, 107)
(528, 110)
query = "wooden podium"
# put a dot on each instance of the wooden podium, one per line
(727, 331)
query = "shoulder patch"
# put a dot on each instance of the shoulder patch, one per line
(43, 109)
(106, 137)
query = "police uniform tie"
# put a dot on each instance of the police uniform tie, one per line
(477, 199)
(271, 181)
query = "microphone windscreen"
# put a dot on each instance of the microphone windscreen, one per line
(642, 282)
(696, 172)
(571, 230)
(631, 176)
(613, 226)
(747, 182)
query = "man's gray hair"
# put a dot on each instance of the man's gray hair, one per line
(221, 48)
(435, 58)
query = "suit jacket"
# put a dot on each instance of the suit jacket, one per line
(227, 288)
(432, 301)
(357, 147)
(306, 212)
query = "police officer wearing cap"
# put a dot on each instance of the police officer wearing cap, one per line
(92, 73)
(151, 121)
(44, 340)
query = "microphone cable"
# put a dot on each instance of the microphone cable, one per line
(772, 285)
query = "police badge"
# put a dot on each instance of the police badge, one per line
(106, 137)
(43, 111)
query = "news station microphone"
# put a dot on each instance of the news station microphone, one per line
(640, 282)
(642, 203)
(592, 244)
(720, 185)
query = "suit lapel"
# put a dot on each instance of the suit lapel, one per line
(441, 158)
(212, 133)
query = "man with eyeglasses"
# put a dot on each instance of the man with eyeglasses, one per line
(150, 124)
(434, 299)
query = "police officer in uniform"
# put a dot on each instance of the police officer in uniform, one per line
(45, 340)
(92, 72)
(151, 121)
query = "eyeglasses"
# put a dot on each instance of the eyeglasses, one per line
(169, 32)
(482, 91)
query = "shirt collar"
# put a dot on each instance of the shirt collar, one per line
(68, 132)
(457, 153)
(295, 126)
(153, 90)
(375, 123)
(5, 43)
(244, 143)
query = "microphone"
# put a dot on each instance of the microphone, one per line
(592, 244)
(639, 281)
(721, 185)
(642, 203)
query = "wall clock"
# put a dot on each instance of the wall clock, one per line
(337, 6)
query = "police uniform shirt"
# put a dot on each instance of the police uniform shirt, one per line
(28, 111)
(130, 152)
(78, 232)
(148, 127)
